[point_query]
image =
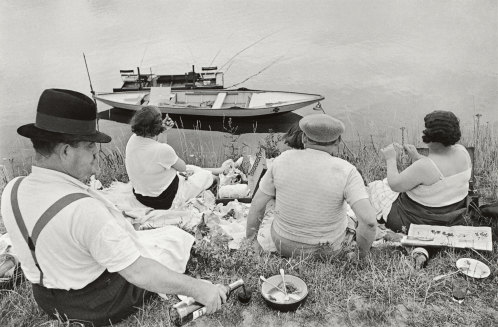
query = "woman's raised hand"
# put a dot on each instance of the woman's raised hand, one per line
(412, 152)
(389, 152)
(168, 122)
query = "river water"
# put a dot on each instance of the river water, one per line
(381, 65)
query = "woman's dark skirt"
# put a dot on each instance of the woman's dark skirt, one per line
(163, 200)
(405, 212)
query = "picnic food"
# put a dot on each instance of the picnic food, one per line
(278, 294)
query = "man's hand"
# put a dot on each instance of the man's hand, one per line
(367, 225)
(151, 275)
(211, 296)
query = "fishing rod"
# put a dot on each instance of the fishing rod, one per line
(94, 100)
(89, 79)
(216, 56)
(262, 70)
(217, 53)
(251, 45)
(143, 56)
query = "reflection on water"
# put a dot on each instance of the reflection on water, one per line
(278, 123)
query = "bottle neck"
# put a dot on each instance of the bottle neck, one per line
(233, 286)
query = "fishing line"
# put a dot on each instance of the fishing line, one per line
(229, 66)
(93, 95)
(217, 53)
(251, 45)
(143, 56)
(220, 50)
(262, 70)
(146, 47)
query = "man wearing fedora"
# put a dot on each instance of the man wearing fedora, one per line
(311, 188)
(82, 257)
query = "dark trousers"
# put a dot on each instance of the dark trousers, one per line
(107, 300)
(163, 200)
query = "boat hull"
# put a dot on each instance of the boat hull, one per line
(132, 101)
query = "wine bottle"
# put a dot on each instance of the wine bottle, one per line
(184, 312)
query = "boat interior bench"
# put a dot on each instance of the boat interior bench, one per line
(219, 100)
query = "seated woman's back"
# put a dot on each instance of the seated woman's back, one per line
(451, 171)
(454, 160)
(148, 164)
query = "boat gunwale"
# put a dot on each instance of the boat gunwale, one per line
(187, 106)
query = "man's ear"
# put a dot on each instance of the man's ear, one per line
(63, 150)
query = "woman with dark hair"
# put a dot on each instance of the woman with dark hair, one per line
(159, 177)
(294, 137)
(434, 188)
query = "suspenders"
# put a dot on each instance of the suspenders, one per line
(42, 221)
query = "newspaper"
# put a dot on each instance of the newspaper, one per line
(478, 238)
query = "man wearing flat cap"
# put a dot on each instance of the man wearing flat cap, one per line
(82, 257)
(311, 188)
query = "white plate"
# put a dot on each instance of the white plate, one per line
(473, 268)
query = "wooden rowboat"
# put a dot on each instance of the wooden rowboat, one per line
(229, 103)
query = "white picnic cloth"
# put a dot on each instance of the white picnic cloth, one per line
(6, 252)
(381, 197)
(168, 245)
(232, 217)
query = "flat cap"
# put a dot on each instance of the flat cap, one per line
(321, 128)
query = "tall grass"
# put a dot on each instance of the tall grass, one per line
(384, 290)
(486, 161)
(199, 148)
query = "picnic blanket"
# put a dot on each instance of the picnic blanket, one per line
(230, 218)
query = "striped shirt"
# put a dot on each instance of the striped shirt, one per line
(311, 189)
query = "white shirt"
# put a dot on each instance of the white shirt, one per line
(311, 189)
(79, 243)
(148, 164)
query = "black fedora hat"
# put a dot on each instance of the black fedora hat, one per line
(64, 115)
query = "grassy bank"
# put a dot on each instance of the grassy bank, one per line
(383, 290)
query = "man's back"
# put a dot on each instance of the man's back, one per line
(311, 187)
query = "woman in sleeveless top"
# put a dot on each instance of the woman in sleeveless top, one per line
(434, 188)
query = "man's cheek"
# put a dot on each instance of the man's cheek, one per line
(96, 166)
